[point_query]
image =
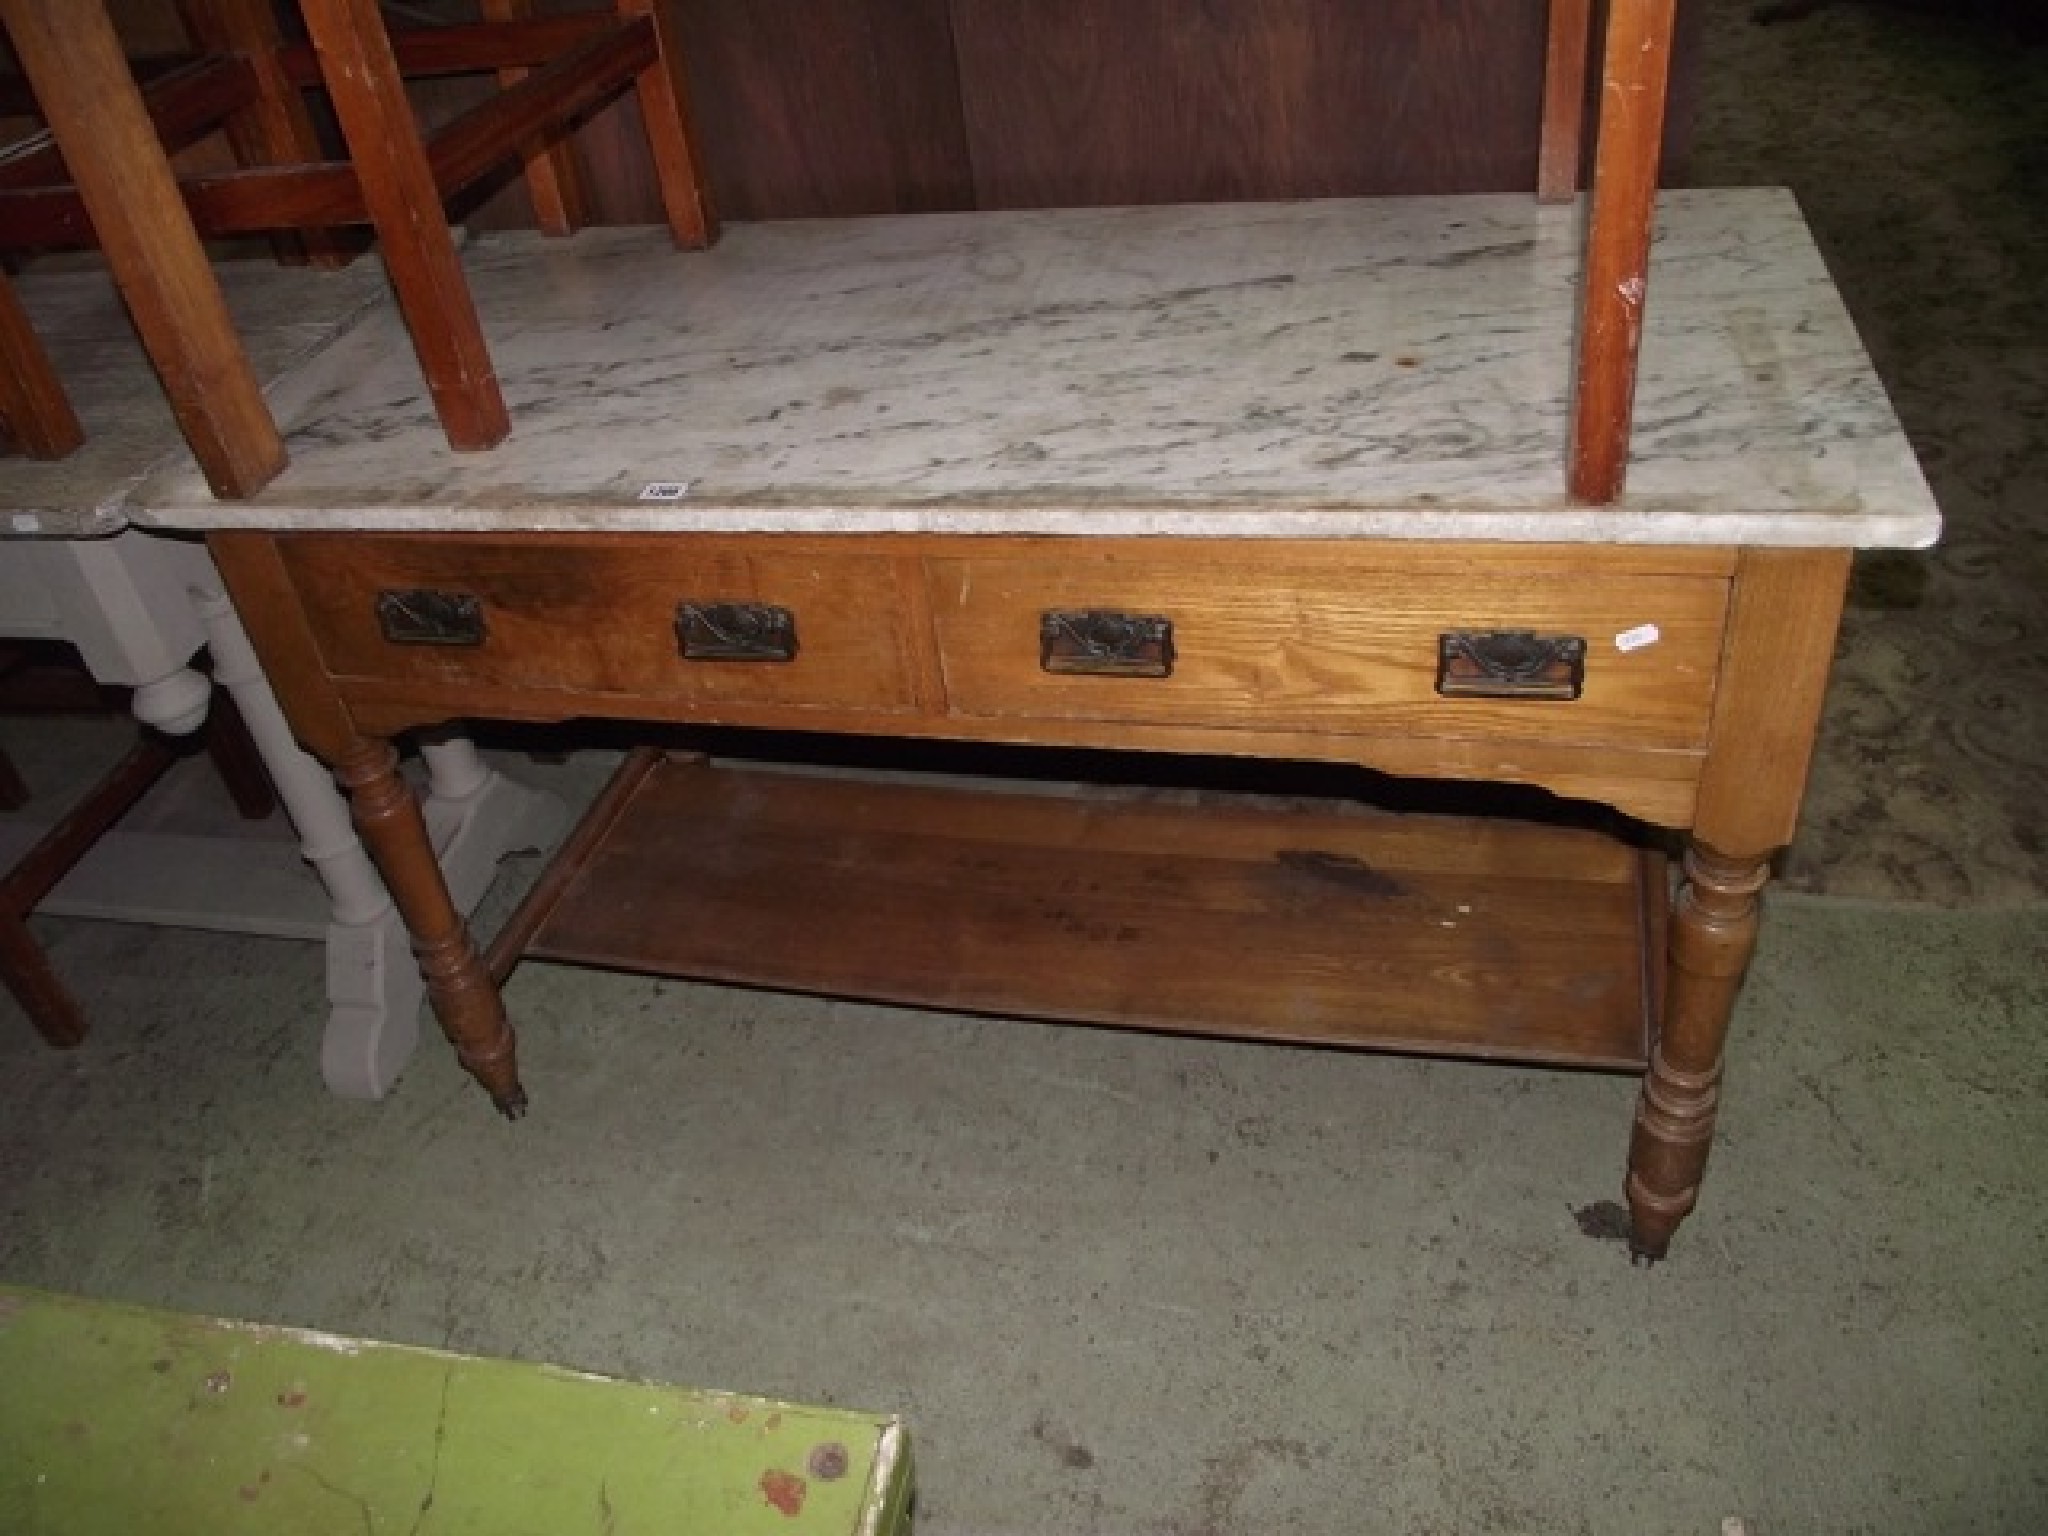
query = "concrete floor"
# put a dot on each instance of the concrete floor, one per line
(1122, 1283)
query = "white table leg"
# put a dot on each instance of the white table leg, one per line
(138, 607)
(374, 989)
(175, 703)
(121, 602)
(475, 815)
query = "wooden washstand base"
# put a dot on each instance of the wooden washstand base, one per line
(1271, 480)
(1520, 943)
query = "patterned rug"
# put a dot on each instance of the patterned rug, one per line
(1917, 143)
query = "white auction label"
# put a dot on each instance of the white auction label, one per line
(1635, 639)
(664, 490)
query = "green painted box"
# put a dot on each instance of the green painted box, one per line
(120, 1419)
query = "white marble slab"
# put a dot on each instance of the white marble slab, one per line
(282, 316)
(1392, 368)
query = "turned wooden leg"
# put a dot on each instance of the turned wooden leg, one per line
(1713, 934)
(465, 1000)
(1782, 616)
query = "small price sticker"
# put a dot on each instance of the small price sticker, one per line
(1635, 639)
(664, 490)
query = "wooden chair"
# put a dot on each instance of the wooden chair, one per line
(35, 414)
(1635, 76)
(127, 199)
(26, 683)
(102, 176)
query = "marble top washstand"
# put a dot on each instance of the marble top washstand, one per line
(283, 316)
(1391, 368)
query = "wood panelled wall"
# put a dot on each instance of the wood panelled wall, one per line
(867, 106)
(832, 107)
(1205, 100)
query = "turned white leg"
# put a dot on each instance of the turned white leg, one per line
(139, 607)
(374, 989)
(175, 703)
(121, 602)
(475, 817)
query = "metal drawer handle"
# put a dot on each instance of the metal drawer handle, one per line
(735, 632)
(1509, 664)
(422, 616)
(1101, 643)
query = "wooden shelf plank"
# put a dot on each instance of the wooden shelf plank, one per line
(1228, 917)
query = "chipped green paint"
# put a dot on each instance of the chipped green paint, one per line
(116, 1419)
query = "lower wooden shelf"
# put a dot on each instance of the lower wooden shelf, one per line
(1335, 926)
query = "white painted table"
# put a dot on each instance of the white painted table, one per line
(140, 606)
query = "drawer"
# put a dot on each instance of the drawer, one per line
(1336, 638)
(601, 616)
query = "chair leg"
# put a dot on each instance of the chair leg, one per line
(554, 176)
(27, 972)
(671, 138)
(1564, 100)
(275, 128)
(23, 966)
(1634, 76)
(33, 405)
(13, 787)
(383, 136)
(73, 61)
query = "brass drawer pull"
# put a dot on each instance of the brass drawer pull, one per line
(1509, 664)
(1100, 643)
(422, 616)
(735, 632)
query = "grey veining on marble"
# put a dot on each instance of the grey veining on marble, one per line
(1393, 368)
(282, 316)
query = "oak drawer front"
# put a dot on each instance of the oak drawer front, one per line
(768, 624)
(1264, 637)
